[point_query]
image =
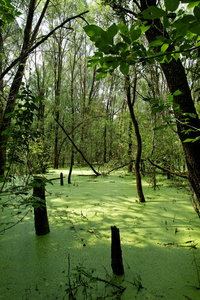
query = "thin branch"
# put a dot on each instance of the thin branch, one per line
(79, 151)
(117, 168)
(168, 53)
(2, 231)
(167, 170)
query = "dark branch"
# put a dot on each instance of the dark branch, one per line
(167, 170)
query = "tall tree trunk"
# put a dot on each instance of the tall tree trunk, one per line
(137, 132)
(177, 80)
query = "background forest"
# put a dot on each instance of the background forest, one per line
(58, 108)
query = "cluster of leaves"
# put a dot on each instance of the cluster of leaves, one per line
(122, 45)
(21, 131)
(7, 12)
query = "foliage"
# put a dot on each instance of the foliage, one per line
(120, 45)
(21, 132)
(7, 12)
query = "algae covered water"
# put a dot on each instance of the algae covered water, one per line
(159, 239)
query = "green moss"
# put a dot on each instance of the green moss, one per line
(159, 242)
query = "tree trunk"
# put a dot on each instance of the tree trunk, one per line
(105, 143)
(58, 66)
(71, 166)
(138, 136)
(40, 213)
(177, 80)
(116, 252)
(130, 145)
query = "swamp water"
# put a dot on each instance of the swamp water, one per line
(160, 242)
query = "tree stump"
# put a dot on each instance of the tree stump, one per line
(116, 252)
(61, 178)
(40, 210)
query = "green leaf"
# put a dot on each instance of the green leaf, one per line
(189, 141)
(121, 46)
(177, 93)
(103, 46)
(124, 68)
(135, 34)
(193, 4)
(112, 30)
(126, 39)
(155, 43)
(93, 31)
(123, 28)
(164, 47)
(195, 27)
(182, 25)
(197, 12)
(144, 27)
(153, 12)
(100, 76)
(171, 5)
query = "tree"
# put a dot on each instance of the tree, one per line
(28, 45)
(28, 40)
(131, 102)
(165, 29)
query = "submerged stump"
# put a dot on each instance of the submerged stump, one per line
(61, 178)
(116, 252)
(40, 210)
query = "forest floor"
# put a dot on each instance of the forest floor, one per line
(160, 242)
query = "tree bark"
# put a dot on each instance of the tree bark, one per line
(130, 146)
(116, 252)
